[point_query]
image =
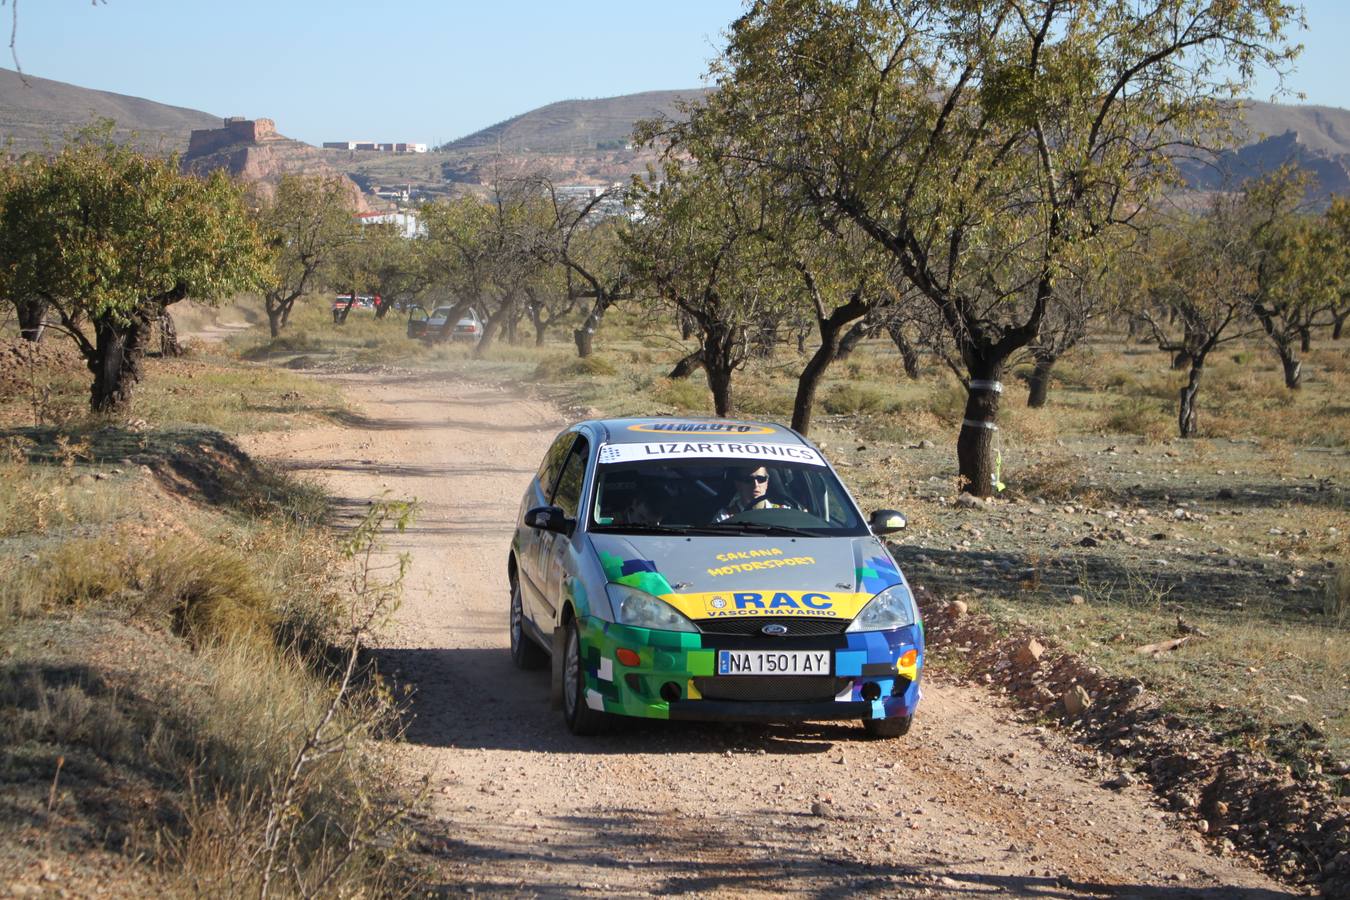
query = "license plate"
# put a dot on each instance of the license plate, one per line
(773, 662)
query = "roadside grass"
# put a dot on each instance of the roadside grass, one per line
(171, 613)
(204, 389)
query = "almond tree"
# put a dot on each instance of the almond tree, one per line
(696, 248)
(1290, 255)
(587, 244)
(1336, 224)
(109, 239)
(1196, 269)
(982, 143)
(303, 224)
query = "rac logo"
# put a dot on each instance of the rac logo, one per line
(748, 600)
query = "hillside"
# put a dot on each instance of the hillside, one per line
(40, 112)
(1314, 138)
(574, 126)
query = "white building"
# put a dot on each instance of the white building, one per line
(407, 223)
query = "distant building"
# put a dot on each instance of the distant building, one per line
(375, 147)
(236, 130)
(406, 223)
(579, 195)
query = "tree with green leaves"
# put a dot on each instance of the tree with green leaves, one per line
(1291, 256)
(980, 143)
(698, 248)
(1336, 227)
(587, 244)
(1193, 283)
(109, 239)
(303, 224)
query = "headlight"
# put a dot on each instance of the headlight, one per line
(642, 610)
(892, 608)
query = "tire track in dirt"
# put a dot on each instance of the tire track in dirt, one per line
(971, 803)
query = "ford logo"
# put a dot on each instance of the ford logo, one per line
(775, 629)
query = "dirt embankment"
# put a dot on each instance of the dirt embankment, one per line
(980, 797)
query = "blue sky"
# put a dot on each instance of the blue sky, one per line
(429, 70)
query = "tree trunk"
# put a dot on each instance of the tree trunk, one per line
(32, 313)
(975, 445)
(537, 317)
(719, 351)
(688, 365)
(851, 339)
(489, 333)
(1187, 420)
(687, 327)
(1338, 325)
(585, 335)
(168, 335)
(1180, 360)
(1038, 384)
(909, 354)
(276, 318)
(382, 306)
(1305, 339)
(830, 349)
(1293, 367)
(116, 362)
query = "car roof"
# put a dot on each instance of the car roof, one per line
(664, 428)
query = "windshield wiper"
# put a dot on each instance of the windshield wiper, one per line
(755, 528)
(640, 529)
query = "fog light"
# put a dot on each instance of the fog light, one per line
(908, 659)
(670, 692)
(627, 657)
(871, 691)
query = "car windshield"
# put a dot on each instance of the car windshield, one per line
(722, 496)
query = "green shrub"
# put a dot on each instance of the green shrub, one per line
(556, 367)
(850, 399)
(1137, 415)
(685, 394)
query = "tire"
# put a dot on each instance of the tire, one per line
(580, 718)
(525, 653)
(887, 728)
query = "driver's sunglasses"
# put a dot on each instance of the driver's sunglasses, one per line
(757, 479)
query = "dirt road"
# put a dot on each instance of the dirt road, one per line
(972, 802)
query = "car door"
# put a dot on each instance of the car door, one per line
(531, 540)
(556, 548)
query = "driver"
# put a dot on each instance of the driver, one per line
(752, 492)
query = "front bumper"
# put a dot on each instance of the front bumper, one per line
(670, 662)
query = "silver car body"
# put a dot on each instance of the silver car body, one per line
(766, 605)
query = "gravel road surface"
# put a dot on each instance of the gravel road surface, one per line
(973, 802)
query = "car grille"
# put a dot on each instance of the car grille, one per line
(797, 626)
(770, 687)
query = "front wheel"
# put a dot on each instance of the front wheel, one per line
(581, 719)
(887, 728)
(525, 653)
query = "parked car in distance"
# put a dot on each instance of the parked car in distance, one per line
(432, 326)
(343, 303)
(709, 570)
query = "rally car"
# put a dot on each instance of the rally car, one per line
(709, 570)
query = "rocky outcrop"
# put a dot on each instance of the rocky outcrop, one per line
(252, 150)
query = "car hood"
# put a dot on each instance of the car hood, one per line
(734, 576)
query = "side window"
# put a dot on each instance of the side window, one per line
(553, 460)
(568, 494)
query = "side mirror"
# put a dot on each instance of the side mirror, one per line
(549, 518)
(886, 521)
